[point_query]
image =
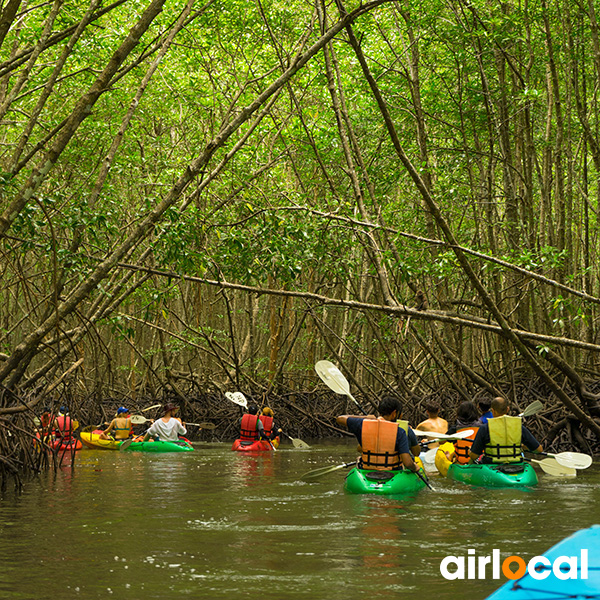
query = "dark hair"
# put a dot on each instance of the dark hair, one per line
(467, 412)
(253, 409)
(389, 404)
(433, 407)
(484, 404)
(500, 405)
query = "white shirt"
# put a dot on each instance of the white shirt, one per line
(168, 431)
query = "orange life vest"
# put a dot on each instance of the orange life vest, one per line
(463, 447)
(65, 427)
(378, 443)
(267, 424)
(248, 430)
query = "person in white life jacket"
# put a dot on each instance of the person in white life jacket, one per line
(501, 438)
(384, 444)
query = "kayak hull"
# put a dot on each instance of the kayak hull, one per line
(92, 440)
(160, 446)
(497, 476)
(255, 446)
(551, 587)
(362, 481)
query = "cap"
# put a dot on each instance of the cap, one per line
(122, 410)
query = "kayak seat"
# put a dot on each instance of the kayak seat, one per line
(379, 475)
(511, 469)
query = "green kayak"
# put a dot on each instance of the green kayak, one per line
(509, 475)
(159, 446)
(361, 481)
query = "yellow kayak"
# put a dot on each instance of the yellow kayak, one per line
(92, 440)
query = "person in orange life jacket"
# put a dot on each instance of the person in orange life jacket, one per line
(467, 417)
(484, 408)
(63, 424)
(46, 422)
(271, 431)
(251, 427)
(384, 444)
(168, 428)
(120, 425)
(509, 449)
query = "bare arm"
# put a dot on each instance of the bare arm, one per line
(408, 462)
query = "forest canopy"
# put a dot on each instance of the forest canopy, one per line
(215, 195)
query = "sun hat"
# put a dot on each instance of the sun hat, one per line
(168, 407)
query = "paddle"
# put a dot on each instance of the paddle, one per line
(124, 445)
(296, 442)
(140, 420)
(325, 470)
(459, 435)
(151, 407)
(552, 467)
(237, 398)
(334, 379)
(574, 460)
(532, 409)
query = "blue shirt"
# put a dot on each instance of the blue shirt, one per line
(485, 416)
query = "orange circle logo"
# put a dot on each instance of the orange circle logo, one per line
(508, 572)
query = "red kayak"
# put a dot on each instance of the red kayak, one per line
(66, 444)
(254, 446)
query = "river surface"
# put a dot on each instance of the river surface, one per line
(217, 525)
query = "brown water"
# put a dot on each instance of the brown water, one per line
(215, 524)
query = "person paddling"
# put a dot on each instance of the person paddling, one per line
(384, 445)
(64, 425)
(120, 426)
(500, 439)
(270, 430)
(467, 417)
(251, 426)
(168, 428)
(433, 422)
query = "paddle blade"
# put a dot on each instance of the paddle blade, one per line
(429, 456)
(552, 467)
(459, 435)
(332, 377)
(299, 444)
(138, 419)
(124, 445)
(532, 409)
(151, 407)
(575, 460)
(237, 398)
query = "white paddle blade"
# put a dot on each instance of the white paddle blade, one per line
(532, 409)
(138, 419)
(459, 435)
(299, 444)
(575, 460)
(332, 377)
(429, 457)
(237, 398)
(554, 468)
